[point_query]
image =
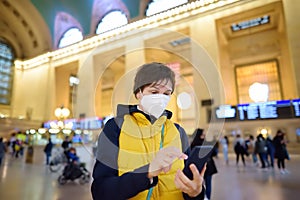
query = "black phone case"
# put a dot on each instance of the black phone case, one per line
(199, 157)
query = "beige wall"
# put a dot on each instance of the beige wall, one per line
(62, 87)
(31, 93)
(292, 16)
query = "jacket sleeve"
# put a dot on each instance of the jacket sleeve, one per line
(184, 140)
(107, 184)
(199, 197)
(186, 149)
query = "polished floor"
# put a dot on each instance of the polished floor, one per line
(34, 181)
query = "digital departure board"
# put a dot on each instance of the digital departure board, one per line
(226, 112)
(283, 109)
(92, 123)
(296, 107)
(266, 110)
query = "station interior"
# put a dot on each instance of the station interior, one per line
(65, 66)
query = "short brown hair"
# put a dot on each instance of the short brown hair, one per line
(152, 73)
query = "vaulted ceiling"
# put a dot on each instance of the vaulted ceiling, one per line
(28, 25)
(23, 27)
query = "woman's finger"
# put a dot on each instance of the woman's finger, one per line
(179, 183)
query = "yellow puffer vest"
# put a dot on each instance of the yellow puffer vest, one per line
(139, 142)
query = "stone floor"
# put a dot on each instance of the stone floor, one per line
(34, 181)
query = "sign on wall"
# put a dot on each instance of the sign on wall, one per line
(284, 109)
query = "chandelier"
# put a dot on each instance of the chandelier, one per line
(61, 113)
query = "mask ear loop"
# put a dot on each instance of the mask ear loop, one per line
(141, 92)
(140, 98)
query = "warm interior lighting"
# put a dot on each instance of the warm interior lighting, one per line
(32, 131)
(42, 130)
(62, 112)
(67, 131)
(74, 80)
(184, 100)
(53, 131)
(259, 92)
(264, 132)
(3, 115)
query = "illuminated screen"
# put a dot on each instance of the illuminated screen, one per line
(267, 110)
(296, 107)
(283, 109)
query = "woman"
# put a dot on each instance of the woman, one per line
(225, 143)
(239, 149)
(141, 145)
(280, 151)
(211, 168)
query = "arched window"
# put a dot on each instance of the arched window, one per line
(259, 82)
(71, 36)
(157, 6)
(67, 30)
(112, 20)
(6, 72)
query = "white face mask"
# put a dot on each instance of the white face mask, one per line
(155, 104)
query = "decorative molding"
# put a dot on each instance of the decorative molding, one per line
(167, 17)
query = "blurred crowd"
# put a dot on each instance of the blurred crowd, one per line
(263, 150)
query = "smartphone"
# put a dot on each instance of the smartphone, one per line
(199, 156)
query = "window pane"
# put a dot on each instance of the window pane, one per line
(111, 21)
(6, 72)
(157, 6)
(259, 79)
(3, 92)
(5, 51)
(72, 36)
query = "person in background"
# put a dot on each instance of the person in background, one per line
(217, 146)
(239, 149)
(250, 143)
(261, 149)
(280, 151)
(225, 143)
(270, 151)
(21, 137)
(48, 150)
(12, 143)
(211, 168)
(66, 144)
(18, 148)
(2, 150)
(72, 155)
(141, 151)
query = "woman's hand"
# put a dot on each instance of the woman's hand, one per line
(163, 160)
(191, 187)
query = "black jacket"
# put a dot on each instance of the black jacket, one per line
(280, 148)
